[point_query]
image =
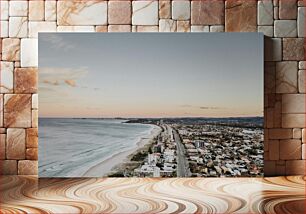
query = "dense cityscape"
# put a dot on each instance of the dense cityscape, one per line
(200, 147)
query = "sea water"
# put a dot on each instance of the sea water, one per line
(69, 147)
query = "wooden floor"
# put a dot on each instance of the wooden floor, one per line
(118, 195)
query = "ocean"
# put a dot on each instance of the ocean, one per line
(69, 147)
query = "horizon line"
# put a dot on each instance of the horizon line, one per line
(146, 117)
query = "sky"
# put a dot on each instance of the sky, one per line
(150, 75)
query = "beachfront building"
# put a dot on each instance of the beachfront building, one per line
(153, 159)
(147, 170)
(169, 155)
(156, 172)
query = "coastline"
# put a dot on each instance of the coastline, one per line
(119, 160)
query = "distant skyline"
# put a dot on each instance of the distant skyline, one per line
(150, 74)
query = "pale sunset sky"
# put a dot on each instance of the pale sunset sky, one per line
(150, 74)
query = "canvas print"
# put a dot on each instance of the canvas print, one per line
(150, 104)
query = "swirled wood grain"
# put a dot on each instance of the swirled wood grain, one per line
(140, 195)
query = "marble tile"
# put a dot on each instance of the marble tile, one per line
(301, 3)
(302, 65)
(2, 146)
(18, 27)
(4, 9)
(293, 120)
(75, 29)
(301, 21)
(273, 49)
(269, 100)
(287, 9)
(304, 151)
(275, 13)
(183, 26)
(11, 49)
(265, 12)
(207, 12)
(25, 80)
(50, 10)
(164, 9)
(216, 28)
(29, 53)
(304, 135)
(277, 117)
(269, 118)
(119, 12)
(17, 110)
(1, 110)
(167, 25)
(17, 64)
(7, 77)
(134, 28)
(181, 10)
(286, 77)
(89, 12)
(34, 101)
(27, 167)
(295, 167)
(301, 81)
(279, 133)
(32, 138)
(119, 28)
(274, 146)
(15, 144)
(293, 49)
(285, 28)
(4, 29)
(101, 28)
(239, 16)
(36, 10)
(8, 167)
(147, 28)
(34, 118)
(18, 8)
(269, 168)
(199, 28)
(32, 154)
(293, 103)
(280, 168)
(145, 12)
(266, 30)
(290, 149)
(38, 26)
(297, 133)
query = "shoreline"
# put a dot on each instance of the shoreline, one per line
(114, 163)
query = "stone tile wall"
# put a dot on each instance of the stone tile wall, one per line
(282, 21)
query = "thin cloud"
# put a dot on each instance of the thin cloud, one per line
(61, 76)
(57, 42)
(71, 83)
(210, 107)
(201, 107)
(51, 82)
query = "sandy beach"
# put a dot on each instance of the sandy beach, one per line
(108, 166)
